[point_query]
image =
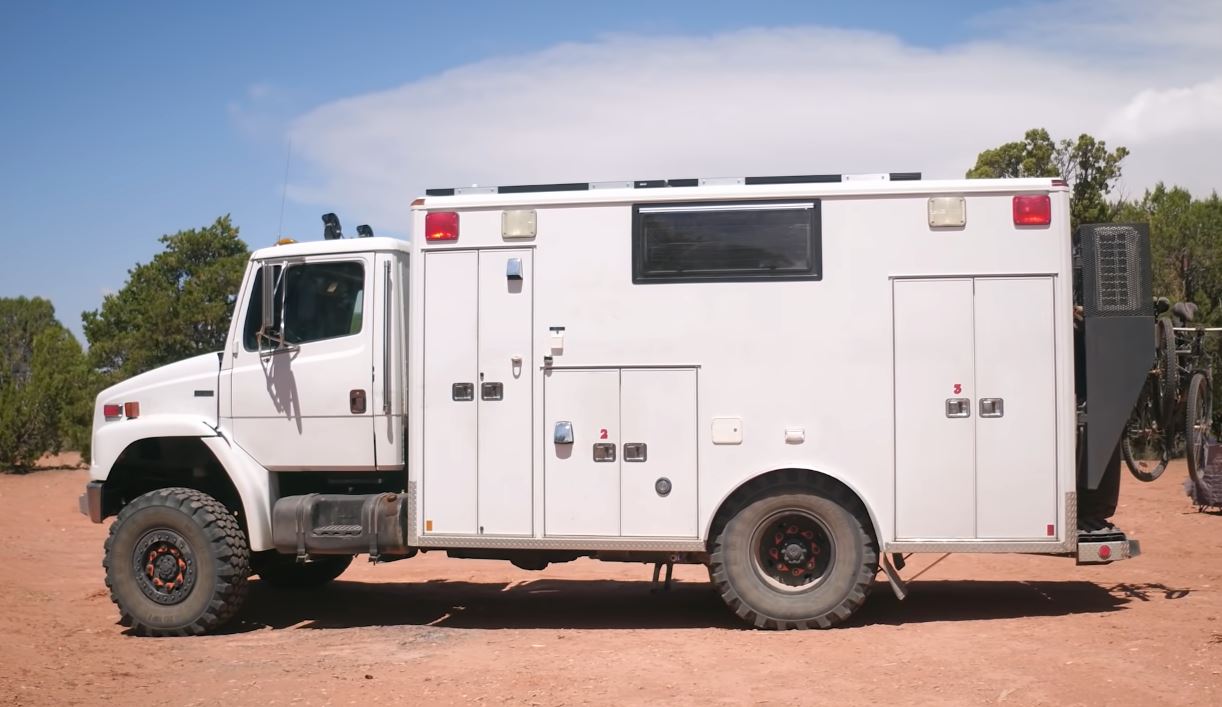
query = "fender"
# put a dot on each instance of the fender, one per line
(879, 531)
(249, 478)
(112, 437)
(253, 484)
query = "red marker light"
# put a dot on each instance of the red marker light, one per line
(1032, 210)
(112, 411)
(1104, 552)
(441, 226)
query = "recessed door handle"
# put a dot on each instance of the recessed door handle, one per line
(635, 451)
(356, 401)
(958, 407)
(992, 407)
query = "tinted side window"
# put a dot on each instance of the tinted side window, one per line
(726, 241)
(319, 300)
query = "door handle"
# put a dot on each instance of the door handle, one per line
(492, 391)
(356, 401)
(635, 451)
(992, 407)
(604, 452)
(958, 407)
(462, 392)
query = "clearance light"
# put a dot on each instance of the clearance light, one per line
(112, 411)
(131, 410)
(441, 226)
(1032, 210)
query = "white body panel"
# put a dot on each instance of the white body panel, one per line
(658, 408)
(805, 370)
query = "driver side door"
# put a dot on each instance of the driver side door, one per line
(306, 404)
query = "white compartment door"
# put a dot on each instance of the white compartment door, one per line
(1016, 450)
(504, 393)
(658, 453)
(934, 437)
(451, 387)
(581, 495)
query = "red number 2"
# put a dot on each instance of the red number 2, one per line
(602, 434)
(958, 389)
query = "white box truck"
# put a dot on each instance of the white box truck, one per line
(791, 380)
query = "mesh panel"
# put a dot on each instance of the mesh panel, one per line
(1116, 271)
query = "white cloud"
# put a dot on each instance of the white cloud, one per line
(767, 101)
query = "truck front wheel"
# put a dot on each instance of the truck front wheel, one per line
(176, 563)
(795, 558)
(285, 572)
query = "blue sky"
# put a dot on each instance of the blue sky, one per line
(123, 121)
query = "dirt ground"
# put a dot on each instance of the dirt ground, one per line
(975, 630)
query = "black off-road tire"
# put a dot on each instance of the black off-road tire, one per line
(213, 555)
(1198, 419)
(285, 572)
(1168, 370)
(840, 592)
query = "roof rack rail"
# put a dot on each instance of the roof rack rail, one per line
(662, 183)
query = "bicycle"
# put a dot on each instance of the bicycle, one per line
(1166, 410)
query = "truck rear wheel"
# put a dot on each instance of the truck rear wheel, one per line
(795, 558)
(285, 572)
(176, 563)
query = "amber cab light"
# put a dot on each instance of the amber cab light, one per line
(131, 410)
(1032, 210)
(112, 411)
(441, 226)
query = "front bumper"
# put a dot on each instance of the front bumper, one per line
(91, 501)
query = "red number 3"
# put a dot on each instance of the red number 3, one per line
(602, 434)
(958, 389)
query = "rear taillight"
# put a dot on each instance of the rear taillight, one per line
(441, 226)
(1032, 210)
(131, 410)
(112, 411)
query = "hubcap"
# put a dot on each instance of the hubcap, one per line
(164, 566)
(792, 551)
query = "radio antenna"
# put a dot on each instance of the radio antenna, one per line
(284, 192)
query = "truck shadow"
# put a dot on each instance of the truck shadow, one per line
(610, 604)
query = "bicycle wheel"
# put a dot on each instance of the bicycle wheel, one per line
(1168, 369)
(1198, 419)
(1145, 446)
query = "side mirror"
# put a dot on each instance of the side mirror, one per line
(267, 297)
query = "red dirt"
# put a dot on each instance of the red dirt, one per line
(976, 629)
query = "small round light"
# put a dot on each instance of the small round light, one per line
(1105, 552)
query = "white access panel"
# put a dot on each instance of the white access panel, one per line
(934, 453)
(1016, 453)
(450, 330)
(581, 496)
(505, 439)
(658, 410)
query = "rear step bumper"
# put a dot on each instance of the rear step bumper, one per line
(1102, 547)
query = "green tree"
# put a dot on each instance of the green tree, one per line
(46, 388)
(1086, 164)
(175, 306)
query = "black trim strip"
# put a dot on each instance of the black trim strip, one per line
(523, 188)
(648, 183)
(204, 393)
(439, 192)
(795, 179)
(905, 176)
(682, 182)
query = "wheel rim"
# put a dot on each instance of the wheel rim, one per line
(792, 551)
(164, 565)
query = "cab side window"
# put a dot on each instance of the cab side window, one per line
(319, 301)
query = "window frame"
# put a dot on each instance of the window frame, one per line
(815, 271)
(253, 297)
